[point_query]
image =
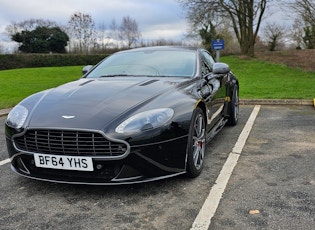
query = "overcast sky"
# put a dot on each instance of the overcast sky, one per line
(156, 18)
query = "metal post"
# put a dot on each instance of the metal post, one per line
(218, 55)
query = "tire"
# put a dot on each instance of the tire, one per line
(234, 108)
(196, 146)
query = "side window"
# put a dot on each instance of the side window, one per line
(207, 63)
(208, 58)
(205, 68)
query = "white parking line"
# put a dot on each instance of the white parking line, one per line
(211, 204)
(4, 162)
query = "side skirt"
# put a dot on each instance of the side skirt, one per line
(216, 129)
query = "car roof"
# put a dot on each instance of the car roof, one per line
(154, 48)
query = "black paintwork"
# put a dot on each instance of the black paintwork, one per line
(100, 104)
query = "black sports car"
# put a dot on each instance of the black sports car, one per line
(139, 115)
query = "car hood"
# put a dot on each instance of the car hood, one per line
(94, 103)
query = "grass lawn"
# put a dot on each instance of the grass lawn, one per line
(263, 80)
(258, 80)
(17, 84)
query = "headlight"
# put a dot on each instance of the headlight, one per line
(145, 120)
(17, 117)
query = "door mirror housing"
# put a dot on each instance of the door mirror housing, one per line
(86, 69)
(221, 68)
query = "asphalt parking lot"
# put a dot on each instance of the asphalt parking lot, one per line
(271, 187)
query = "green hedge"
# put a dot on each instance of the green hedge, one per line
(14, 61)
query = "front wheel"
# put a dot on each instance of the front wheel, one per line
(196, 145)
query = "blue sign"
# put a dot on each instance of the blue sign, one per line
(217, 44)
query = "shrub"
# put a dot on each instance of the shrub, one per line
(14, 61)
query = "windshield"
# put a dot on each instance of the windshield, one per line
(170, 63)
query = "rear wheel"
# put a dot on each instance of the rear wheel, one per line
(234, 108)
(196, 146)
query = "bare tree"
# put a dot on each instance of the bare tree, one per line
(102, 38)
(129, 32)
(161, 42)
(305, 9)
(29, 25)
(274, 34)
(114, 33)
(297, 33)
(305, 12)
(245, 17)
(81, 29)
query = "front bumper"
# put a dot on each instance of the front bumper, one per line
(143, 163)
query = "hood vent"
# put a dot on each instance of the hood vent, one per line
(149, 82)
(87, 82)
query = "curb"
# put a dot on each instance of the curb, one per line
(277, 102)
(5, 112)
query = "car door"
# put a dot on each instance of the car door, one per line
(215, 101)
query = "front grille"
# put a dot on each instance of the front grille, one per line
(68, 142)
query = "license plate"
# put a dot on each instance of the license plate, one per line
(64, 162)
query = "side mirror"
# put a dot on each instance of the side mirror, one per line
(220, 68)
(86, 69)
